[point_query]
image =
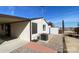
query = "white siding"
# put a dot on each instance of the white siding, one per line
(40, 23)
(21, 30)
(54, 31)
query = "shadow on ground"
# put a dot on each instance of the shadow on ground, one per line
(64, 46)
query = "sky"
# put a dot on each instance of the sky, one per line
(54, 14)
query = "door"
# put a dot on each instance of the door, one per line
(8, 29)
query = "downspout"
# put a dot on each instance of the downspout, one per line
(49, 30)
(30, 31)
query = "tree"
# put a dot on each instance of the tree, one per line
(51, 24)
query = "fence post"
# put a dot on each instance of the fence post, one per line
(64, 43)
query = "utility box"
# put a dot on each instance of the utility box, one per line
(44, 36)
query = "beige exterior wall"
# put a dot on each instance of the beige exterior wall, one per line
(1, 31)
(40, 23)
(21, 30)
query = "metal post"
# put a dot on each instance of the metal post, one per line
(63, 27)
(49, 30)
(64, 43)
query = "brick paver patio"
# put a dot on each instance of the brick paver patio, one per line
(34, 47)
(53, 45)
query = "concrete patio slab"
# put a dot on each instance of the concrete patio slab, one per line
(11, 45)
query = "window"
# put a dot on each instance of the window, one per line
(6, 29)
(44, 27)
(34, 28)
(2, 26)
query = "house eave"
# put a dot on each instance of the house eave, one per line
(11, 19)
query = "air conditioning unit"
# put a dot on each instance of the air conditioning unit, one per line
(44, 36)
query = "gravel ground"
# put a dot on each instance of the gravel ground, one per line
(55, 42)
(72, 44)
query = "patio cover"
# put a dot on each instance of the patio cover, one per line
(11, 19)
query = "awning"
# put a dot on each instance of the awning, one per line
(11, 19)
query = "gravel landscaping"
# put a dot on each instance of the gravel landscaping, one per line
(55, 42)
(72, 44)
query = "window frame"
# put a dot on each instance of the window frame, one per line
(34, 28)
(44, 27)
